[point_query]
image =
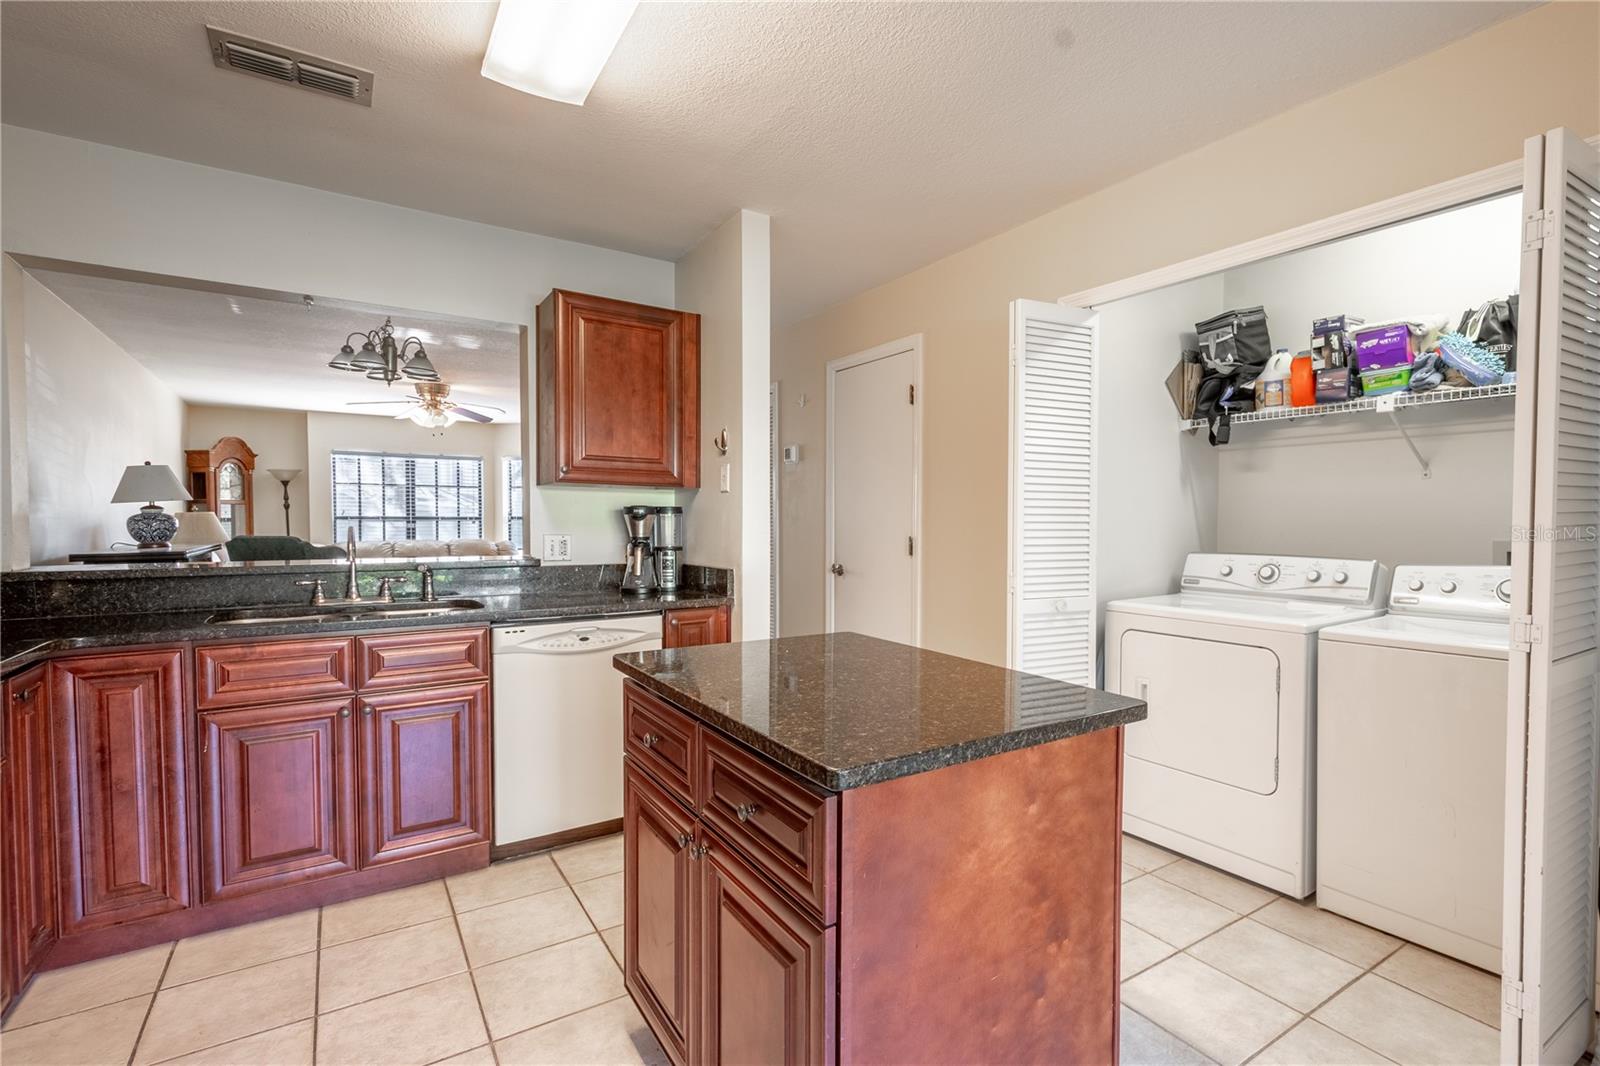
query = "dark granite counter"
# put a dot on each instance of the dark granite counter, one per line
(846, 710)
(49, 612)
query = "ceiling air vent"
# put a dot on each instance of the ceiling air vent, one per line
(263, 59)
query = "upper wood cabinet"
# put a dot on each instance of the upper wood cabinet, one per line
(122, 786)
(619, 393)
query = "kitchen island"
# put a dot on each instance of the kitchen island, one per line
(842, 849)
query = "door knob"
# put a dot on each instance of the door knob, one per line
(836, 570)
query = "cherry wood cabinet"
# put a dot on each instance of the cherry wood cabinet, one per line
(691, 627)
(765, 970)
(658, 898)
(277, 796)
(431, 657)
(122, 787)
(27, 830)
(273, 671)
(424, 771)
(619, 393)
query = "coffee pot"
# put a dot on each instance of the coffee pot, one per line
(638, 559)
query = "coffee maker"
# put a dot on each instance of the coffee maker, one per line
(669, 546)
(638, 560)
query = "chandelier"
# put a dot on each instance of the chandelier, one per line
(381, 359)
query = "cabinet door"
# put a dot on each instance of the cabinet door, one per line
(277, 796)
(764, 970)
(424, 772)
(619, 387)
(122, 787)
(28, 826)
(658, 883)
(694, 626)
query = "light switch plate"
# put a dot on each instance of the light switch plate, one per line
(557, 548)
(726, 477)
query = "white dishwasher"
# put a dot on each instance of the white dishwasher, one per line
(558, 723)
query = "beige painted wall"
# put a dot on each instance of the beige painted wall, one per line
(726, 279)
(1430, 120)
(279, 440)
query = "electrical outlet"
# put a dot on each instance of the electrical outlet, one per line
(726, 477)
(557, 548)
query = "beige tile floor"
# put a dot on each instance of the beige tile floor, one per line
(518, 964)
(514, 964)
(1218, 970)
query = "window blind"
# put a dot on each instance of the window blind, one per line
(390, 496)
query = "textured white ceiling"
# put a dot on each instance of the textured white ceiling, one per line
(245, 351)
(879, 136)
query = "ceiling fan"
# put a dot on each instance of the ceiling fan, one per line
(431, 408)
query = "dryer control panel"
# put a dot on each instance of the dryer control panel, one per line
(1452, 592)
(1350, 581)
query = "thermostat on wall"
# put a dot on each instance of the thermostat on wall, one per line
(791, 453)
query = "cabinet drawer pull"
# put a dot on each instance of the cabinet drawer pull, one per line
(345, 713)
(366, 709)
(700, 851)
(684, 840)
(746, 811)
(26, 694)
(649, 740)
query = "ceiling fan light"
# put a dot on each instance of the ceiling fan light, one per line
(554, 48)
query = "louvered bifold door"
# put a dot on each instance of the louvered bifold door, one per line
(1051, 571)
(1555, 691)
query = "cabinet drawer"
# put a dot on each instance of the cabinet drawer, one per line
(410, 659)
(783, 826)
(661, 738)
(278, 671)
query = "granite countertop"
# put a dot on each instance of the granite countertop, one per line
(28, 640)
(845, 710)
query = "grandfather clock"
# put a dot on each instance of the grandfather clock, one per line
(220, 480)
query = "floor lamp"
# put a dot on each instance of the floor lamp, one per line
(285, 476)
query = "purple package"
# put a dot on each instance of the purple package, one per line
(1383, 347)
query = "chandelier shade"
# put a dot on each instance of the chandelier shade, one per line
(381, 358)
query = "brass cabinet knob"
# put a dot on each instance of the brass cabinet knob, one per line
(745, 811)
(649, 740)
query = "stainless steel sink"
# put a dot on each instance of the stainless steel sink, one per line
(342, 612)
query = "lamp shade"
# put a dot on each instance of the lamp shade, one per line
(148, 483)
(284, 476)
(199, 527)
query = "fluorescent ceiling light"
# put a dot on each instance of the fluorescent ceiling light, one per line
(554, 48)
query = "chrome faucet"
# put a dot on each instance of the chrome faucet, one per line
(427, 582)
(351, 592)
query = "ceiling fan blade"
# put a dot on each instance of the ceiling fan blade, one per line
(375, 403)
(470, 415)
(402, 414)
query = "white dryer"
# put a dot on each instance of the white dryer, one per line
(1411, 762)
(1222, 769)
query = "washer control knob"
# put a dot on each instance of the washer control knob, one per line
(1268, 573)
(1448, 587)
(1503, 590)
(1415, 584)
(1314, 576)
(1227, 570)
(1340, 577)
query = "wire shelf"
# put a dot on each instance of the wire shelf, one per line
(1392, 402)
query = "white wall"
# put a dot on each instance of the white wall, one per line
(71, 199)
(1351, 487)
(727, 280)
(15, 550)
(1157, 487)
(279, 440)
(91, 411)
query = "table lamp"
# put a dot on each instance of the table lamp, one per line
(150, 526)
(285, 476)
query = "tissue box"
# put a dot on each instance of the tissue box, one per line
(1384, 348)
(1391, 379)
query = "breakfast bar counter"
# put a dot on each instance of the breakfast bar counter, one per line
(842, 849)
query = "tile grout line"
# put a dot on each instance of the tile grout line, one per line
(149, 1010)
(316, 992)
(472, 973)
(569, 1014)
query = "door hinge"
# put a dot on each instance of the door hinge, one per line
(1537, 227)
(913, 389)
(1515, 1000)
(911, 546)
(1525, 633)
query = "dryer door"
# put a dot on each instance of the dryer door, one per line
(1213, 708)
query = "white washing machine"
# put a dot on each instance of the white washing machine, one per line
(1222, 769)
(1411, 762)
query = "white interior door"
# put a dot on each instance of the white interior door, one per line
(873, 504)
(1051, 574)
(1552, 744)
